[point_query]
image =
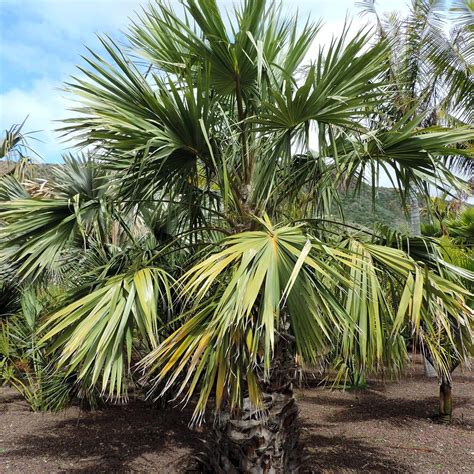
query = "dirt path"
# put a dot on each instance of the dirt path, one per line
(385, 428)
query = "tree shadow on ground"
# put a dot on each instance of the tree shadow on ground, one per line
(369, 404)
(115, 440)
(339, 453)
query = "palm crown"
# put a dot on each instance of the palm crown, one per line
(203, 226)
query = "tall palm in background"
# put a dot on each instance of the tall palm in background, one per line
(196, 241)
(430, 59)
(431, 74)
(430, 68)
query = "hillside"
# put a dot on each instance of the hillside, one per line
(359, 208)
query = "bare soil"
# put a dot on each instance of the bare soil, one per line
(384, 428)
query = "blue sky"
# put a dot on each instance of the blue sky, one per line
(41, 42)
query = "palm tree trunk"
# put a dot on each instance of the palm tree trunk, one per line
(415, 222)
(445, 400)
(415, 227)
(256, 444)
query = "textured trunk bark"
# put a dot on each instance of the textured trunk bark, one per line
(445, 401)
(415, 227)
(256, 444)
(415, 222)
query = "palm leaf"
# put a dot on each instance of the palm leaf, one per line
(95, 333)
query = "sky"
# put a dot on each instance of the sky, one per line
(41, 42)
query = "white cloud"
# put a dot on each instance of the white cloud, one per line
(75, 18)
(30, 58)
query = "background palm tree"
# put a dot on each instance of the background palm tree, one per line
(430, 67)
(15, 149)
(453, 222)
(203, 250)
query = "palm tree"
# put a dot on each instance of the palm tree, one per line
(430, 70)
(429, 66)
(455, 227)
(224, 266)
(15, 149)
(430, 59)
(13, 142)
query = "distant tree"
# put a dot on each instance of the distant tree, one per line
(15, 150)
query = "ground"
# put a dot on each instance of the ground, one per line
(384, 428)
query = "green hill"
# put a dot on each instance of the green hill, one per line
(359, 208)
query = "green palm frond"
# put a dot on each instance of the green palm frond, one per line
(37, 231)
(79, 175)
(431, 54)
(124, 113)
(343, 85)
(11, 189)
(239, 59)
(95, 334)
(367, 342)
(409, 156)
(241, 297)
(463, 11)
(13, 141)
(462, 227)
(434, 304)
(394, 293)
